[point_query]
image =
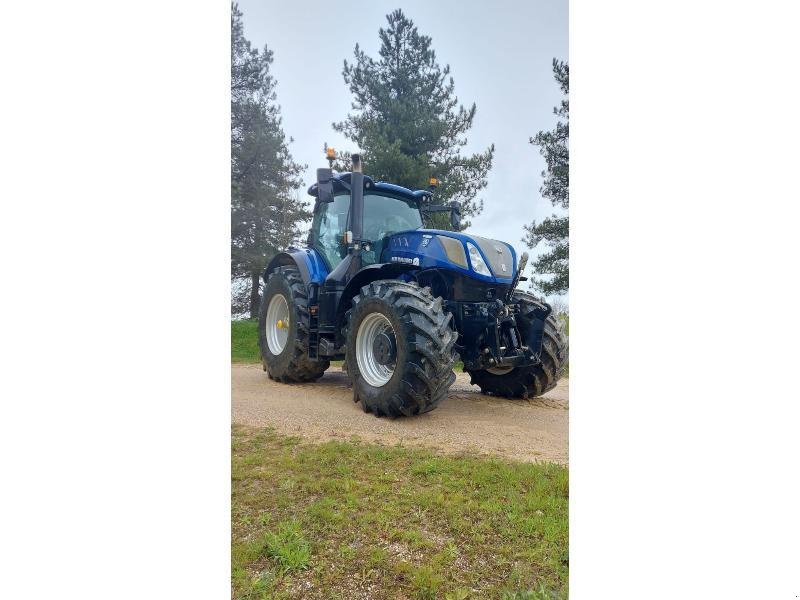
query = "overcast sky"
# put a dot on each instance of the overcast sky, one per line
(500, 55)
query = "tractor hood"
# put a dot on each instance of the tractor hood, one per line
(435, 248)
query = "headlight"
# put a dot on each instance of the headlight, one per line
(475, 258)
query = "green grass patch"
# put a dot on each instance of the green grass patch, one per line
(244, 342)
(349, 519)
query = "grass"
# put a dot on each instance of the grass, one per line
(349, 519)
(244, 342)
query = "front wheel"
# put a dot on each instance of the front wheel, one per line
(399, 349)
(533, 380)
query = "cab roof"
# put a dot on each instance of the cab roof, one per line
(341, 182)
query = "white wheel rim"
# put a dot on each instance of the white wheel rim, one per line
(500, 370)
(277, 325)
(373, 372)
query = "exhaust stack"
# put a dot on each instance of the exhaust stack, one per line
(356, 163)
(357, 199)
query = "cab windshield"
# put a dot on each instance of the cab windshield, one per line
(385, 215)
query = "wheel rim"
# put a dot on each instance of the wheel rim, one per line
(373, 332)
(500, 370)
(277, 325)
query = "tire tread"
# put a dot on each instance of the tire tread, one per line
(300, 368)
(428, 370)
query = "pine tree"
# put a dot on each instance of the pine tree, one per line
(554, 230)
(265, 207)
(407, 121)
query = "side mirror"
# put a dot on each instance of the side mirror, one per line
(454, 208)
(455, 216)
(324, 185)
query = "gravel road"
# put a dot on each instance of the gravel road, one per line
(527, 430)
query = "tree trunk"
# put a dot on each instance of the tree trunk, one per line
(255, 299)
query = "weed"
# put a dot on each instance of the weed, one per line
(377, 558)
(539, 593)
(287, 547)
(426, 583)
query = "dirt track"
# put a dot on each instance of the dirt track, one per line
(528, 430)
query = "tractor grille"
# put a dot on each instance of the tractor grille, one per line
(498, 254)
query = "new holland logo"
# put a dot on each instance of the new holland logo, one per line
(405, 260)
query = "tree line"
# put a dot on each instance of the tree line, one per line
(409, 125)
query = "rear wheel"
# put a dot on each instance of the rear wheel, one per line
(283, 329)
(399, 349)
(534, 380)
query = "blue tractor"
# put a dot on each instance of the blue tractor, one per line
(400, 303)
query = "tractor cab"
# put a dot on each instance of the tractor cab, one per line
(387, 209)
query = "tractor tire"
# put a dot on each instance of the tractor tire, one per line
(534, 380)
(284, 349)
(399, 352)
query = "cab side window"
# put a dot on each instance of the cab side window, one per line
(327, 228)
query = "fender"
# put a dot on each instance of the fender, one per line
(307, 260)
(369, 274)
